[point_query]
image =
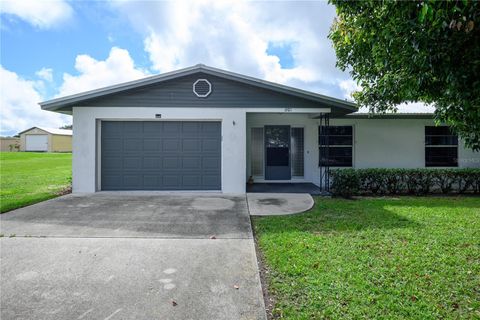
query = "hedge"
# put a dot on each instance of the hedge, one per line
(348, 182)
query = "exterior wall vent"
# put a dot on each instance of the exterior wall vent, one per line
(202, 88)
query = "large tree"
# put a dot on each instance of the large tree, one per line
(410, 51)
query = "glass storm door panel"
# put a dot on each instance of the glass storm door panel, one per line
(277, 153)
(297, 149)
(257, 149)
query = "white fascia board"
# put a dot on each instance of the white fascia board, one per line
(288, 110)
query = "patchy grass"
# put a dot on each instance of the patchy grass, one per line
(27, 178)
(383, 258)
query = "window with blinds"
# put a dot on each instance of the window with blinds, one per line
(297, 151)
(338, 150)
(441, 147)
(257, 150)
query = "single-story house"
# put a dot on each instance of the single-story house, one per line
(203, 128)
(46, 140)
(9, 144)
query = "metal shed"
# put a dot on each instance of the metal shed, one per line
(40, 139)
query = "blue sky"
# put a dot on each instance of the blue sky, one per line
(93, 30)
(52, 48)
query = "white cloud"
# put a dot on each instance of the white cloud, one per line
(45, 74)
(348, 88)
(19, 97)
(39, 13)
(235, 36)
(410, 107)
(93, 74)
(19, 105)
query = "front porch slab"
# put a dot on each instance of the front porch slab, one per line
(271, 204)
(287, 187)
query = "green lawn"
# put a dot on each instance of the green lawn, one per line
(406, 258)
(27, 178)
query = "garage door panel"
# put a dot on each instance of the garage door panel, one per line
(210, 163)
(133, 129)
(152, 163)
(114, 163)
(192, 181)
(171, 181)
(172, 127)
(191, 145)
(171, 163)
(132, 145)
(109, 145)
(171, 145)
(211, 128)
(210, 180)
(150, 181)
(210, 145)
(192, 163)
(152, 129)
(132, 163)
(133, 181)
(156, 155)
(112, 181)
(112, 129)
(152, 145)
(191, 129)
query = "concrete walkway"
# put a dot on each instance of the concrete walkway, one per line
(117, 256)
(270, 204)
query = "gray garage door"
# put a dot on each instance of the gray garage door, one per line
(154, 155)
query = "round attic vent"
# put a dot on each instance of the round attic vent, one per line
(202, 88)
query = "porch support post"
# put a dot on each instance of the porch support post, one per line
(324, 165)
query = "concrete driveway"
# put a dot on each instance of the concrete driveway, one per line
(130, 256)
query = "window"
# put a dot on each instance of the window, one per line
(297, 151)
(338, 150)
(441, 147)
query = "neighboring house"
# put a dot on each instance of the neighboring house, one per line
(9, 144)
(46, 140)
(202, 128)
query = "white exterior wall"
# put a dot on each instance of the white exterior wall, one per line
(378, 143)
(387, 143)
(86, 149)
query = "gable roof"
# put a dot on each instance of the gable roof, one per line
(65, 103)
(61, 132)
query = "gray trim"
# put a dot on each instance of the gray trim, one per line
(65, 103)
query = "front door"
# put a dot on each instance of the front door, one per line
(277, 151)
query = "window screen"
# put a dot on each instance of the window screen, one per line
(297, 148)
(441, 147)
(257, 152)
(337, 151)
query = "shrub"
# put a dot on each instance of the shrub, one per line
(348, 182)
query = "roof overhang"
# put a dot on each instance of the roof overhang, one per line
(57, 132)
(64, 104)
(397, 115)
